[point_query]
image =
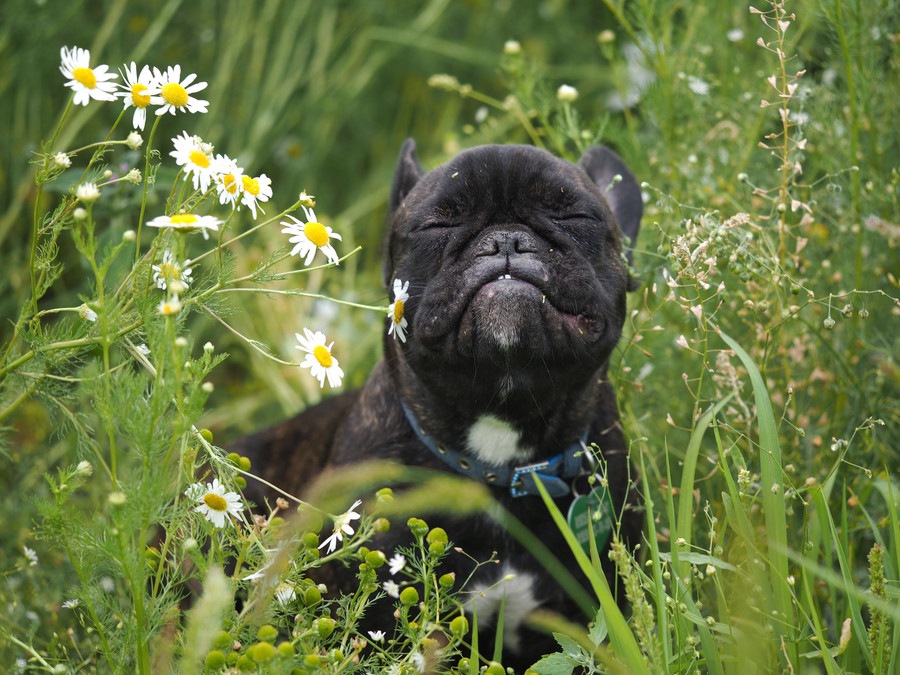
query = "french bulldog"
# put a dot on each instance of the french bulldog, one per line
(517, 278)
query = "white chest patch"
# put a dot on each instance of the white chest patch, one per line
(495, 442)
(514, 592)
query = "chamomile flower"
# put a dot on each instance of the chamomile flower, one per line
(31, 556)
(398, 322)
(170, 306)
(341, 527)
(214, 502)
(188, 222)
(62, 160)
(311, 236)
(319, 358)
(229, 179)
(169, 270)
(134, 92)
(396, 563)
(87, 193)
(196, 160)
(376, 635)
(255, 190)
(87, 83)
(172, 94)
(391, 588)
(285, 594)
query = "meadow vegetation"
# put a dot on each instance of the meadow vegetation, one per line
(757, 378)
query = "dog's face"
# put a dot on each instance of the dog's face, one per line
(514, 261)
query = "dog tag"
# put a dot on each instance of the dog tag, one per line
(592, 514)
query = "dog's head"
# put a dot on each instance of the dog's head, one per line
(516, 272)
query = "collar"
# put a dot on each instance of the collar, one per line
(556, 473)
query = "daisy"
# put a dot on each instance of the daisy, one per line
(134, 92)
(215, 503)
(229, 180)
(71, 604)
(396, 563)
(87, 193)
(398, 322)
(31, 556)
(87, 83)
(169, 270)
(196, 160)
(341, 527)
(318, 358)
(169, 307)
(255, 190)
(391, 588)
(377, 635)
(173, 94)
(310, 236)
(285, 594)
(189, 222)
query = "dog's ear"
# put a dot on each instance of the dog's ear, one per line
(407, 174)
(620, 188)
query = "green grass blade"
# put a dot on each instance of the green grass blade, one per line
(620, 635)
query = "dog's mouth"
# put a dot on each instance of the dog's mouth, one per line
(514, 313)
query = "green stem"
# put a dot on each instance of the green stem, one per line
(147, 154)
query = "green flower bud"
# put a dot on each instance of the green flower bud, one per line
(324, 626)
(234, 458)
(262, 652)
(245, 664)
(375, 559)
(436, 549)
(312, 596)
(223, 640)
(244, 463)
(310, 540)
(409, 596)
(495, 668)
(286, 649)
(267, 633)
(206, 435)
(437, 534)
(312, 661)
(381, 525)
(240, 482)
(459, 626)
(215, 660)
(418, 527)
(447, 580)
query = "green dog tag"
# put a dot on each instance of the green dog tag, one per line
(592, 514)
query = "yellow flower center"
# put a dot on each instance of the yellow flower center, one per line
(323, 356)
(230, 182)
(251, 185)
(398, 311)
(184, 219)
(85, 76)
(139, 99)
(316, 233)
(215, 502)
(174, 94)
(200, 159)
(169, 271)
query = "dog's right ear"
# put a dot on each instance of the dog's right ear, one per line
(407, 174)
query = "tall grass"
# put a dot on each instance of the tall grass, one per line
(757, 379)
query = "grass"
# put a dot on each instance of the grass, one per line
(757, 379)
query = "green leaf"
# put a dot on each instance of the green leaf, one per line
(555, 664)
(569, 646)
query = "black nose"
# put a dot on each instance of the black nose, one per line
(506, 243)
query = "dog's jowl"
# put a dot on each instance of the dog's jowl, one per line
(517, 278)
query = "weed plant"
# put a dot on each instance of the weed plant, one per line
(757, 379)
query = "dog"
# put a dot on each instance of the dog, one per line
(517, 278)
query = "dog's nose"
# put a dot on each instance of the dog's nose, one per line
(506, 243)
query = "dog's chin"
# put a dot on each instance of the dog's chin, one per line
(509, 318)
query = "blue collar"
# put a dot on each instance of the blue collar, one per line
(555, 473)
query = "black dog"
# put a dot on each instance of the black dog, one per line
(517, 284)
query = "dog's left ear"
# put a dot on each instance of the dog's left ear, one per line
(620, 188)
(407, 174)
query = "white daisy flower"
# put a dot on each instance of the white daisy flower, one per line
(391, 588)
(87, 193)
(698, 86)
(396, 563)
(310, 236)
(229, 180)
(319, 358)
(62, 160)
(567, 93)
(376, 635)
(398, 322)
(134, 92)
(255, 190)
(196, 160)
(87, 83)
(215, 503)
(173, 94)
(285, 594)
(170, 306)
(86, 313)
(169, 270)
(71, 604)
(31, 556)
(341, 527)
(189, 222)
(419, 659)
